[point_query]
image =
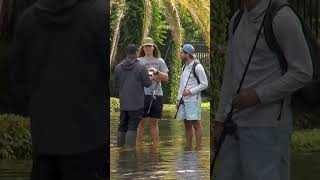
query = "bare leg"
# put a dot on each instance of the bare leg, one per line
(140, 131)
(154, 131)
(188, 128)
(198, 131)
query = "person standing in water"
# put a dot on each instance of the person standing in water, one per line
(193, 81)
(150, 58)
(130, 78)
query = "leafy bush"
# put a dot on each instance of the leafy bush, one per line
(306, 140)
(15, 137)
(114, 105)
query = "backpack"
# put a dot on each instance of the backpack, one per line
(193, 70)
(307, 98)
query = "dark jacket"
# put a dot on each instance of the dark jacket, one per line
(130, 78)
(59, 66)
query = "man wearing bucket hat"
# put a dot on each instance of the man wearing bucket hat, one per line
(129, 80)
(150, 58)
(193, 81)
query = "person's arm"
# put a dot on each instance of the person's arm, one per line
(18, 63)
(289, 34)
(227, 90)
(162, 74)
(202, 78)
(116, 82)
(181, 87)
(18, 68)
(146, 81)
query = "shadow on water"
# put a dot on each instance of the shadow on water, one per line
(168, 161)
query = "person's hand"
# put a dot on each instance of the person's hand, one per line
(154, 70)
(187, 92)
(245, 99)
(155, 78)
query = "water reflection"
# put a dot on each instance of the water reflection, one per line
(140, 162)
(167, 161)
(189, 166)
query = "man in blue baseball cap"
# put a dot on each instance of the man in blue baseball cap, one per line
(189, 49)
(193, 81)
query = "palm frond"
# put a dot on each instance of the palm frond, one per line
(115, 31)
(170, 11)
(200, 13)
(147, 18)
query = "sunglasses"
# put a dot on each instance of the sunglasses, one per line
(148, 46)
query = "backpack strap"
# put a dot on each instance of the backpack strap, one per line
(184, 67)
(194, 71)
(270, 38)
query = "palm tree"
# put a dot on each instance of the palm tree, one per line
(120, 8)
(198, 9)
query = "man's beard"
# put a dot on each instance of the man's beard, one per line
(184, 59)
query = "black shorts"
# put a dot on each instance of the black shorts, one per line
(156, 107)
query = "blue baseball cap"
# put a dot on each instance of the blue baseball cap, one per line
(188, 48)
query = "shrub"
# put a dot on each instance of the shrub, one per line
(15, 137)
(114, 105)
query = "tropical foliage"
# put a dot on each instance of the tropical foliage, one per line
(168, 22)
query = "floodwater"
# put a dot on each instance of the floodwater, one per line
(169, 160)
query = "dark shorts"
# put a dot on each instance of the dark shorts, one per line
(129, 120)
(156, 107)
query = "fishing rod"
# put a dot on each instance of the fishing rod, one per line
(181, 99)
(154, 91)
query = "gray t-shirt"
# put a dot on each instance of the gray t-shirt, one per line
(264, 74)
(159, 64)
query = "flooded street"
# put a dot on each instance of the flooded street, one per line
(169, 161)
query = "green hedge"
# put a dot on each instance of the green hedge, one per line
(306, 140)
(171, 87)
(15, 138)
(115, 106)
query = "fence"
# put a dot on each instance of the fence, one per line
(202, 53)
